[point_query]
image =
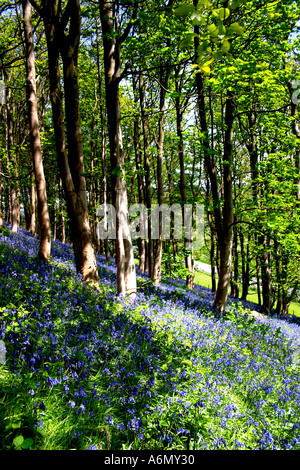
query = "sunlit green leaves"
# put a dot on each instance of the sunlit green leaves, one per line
(184, 9)
(235, 28)
(225, 46)
(222, 13)
(213, 30)
(196, 18)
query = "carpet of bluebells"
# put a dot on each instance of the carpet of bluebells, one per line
(86, 369)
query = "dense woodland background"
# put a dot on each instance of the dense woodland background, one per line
(148, 102)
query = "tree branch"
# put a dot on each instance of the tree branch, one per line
(36, 6)
(129, 25)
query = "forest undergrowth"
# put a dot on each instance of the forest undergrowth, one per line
(86, 369)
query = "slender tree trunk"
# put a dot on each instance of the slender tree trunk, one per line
(245, 262)
(139, 167)
(79, 222)
(33, 201)
(188, 253)
(54, 221)
(126, 275)
(235, 278)
(70, 165)
(103, 145)
(225, 240)
(14, 190)
(296, 132)
(149, 265)
(279, 278)
(92, 190)
(61, 211)
(43, 213)
(164, 81)
(224, 220)
(258, 285)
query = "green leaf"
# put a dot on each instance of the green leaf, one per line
(205, 3)
(222, 30)
(236, 28)
(27, 443)
(218, 55)
(16, 424)
(184, 9)
(223, 13)
(233, 4)
(188, 41)
(206, 69)
(196, 18)
(225, 46)
(213, 30)
(18, 441)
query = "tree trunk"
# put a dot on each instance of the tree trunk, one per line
(164, 81)
(235, 278)
(33, 201)
(223, 221)
(126, 274)
(149, 264)
(266, 276)
(79, 221)
(103, 147)
(296, 132)
(245, 261)
(188, 253)
(43, 213)
(61, 211)
(71, 165)
(14, 190)
(140, 183)
(225, 237)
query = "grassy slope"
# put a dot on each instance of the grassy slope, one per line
(204, 279)
(86, 368)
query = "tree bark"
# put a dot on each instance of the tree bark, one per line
(224, 219)
(164, 82)
(188, 253)
(149, 264)
(70, 164)
(245, 262)
(126, 275)
(14, 206)
(103, 145)
(140, 182)
(33, 201)
(43, 213)
(61, 211)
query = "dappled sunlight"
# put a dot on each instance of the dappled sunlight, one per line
(157, 372)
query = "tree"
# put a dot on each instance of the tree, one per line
(44, 220)
(126, 275)
(70, 163)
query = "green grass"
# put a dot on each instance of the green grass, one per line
(204, 279)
